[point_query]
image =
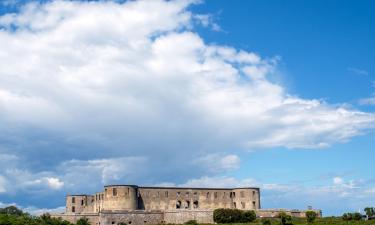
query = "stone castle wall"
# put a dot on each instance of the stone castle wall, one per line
(133, 205)
(130, 197)
(143, 217)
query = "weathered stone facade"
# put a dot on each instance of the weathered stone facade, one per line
(131, 197)
(134, 205)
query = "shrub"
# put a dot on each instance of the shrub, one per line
(233, 216)
(248, 216)
(370, 211)
(285, 219)
(83, 221)
(351, 216)
(310, 216)
(11, 210)
(357, 216)
(266, 222)
(191, 222)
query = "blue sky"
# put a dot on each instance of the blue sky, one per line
(273, 94)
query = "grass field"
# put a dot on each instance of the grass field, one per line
(318, 221)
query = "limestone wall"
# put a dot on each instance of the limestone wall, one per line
(137, 217)
(156, 198)
(120, 197)
(73, 217)
(79, 203)
(273, 213)
(181, 216)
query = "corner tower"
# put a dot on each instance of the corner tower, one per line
(120, 197)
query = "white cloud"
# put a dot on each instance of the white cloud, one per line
(2, 184)
(220, 181)
(337, 180)
(218, 162)
(105, 170)
(137, 79)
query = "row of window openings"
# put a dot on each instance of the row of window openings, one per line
(195, 205)
(186, 205)
(187, 194)
(178, 194)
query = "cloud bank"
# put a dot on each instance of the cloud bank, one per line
(130, 92)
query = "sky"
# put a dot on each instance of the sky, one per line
(273, 94)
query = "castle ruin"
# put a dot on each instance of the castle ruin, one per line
(136, 205)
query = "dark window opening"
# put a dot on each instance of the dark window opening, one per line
(187, 205)
(114, 191)
(234, 205)
(145, 221)
(73, 200)
(178, 205)
(215, 194)
(113, 222)
(130, 222)
(73, 209)
(82, 202)
(254, 204)
(243, 204)
(195, 204)
(166, 194)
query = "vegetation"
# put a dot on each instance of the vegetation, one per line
(266, 222)
(311, 216)
(191, 222)
(13, 216)
(285, 219)
(233, 216)
(370, 211)
(352, 216)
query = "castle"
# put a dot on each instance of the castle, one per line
(136, 205)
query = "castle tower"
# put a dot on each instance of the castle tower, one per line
(120, 197)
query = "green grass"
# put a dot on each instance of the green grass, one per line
(318, 221)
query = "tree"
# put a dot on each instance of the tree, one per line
(285, 219)
(83, 221)
(357, 216)
(310, 216)
(248, 216)
(370, 211)
(11, 210)
(266, 222)
(233, 216)
(352, 216)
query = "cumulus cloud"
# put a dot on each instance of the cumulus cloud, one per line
(108, 90)
(217, 162)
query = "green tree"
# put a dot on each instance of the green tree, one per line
(369, 211)
(248, 216)
(266, 222)
(311, 216)
(83, 221)
(11, 210)
(285, 219)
